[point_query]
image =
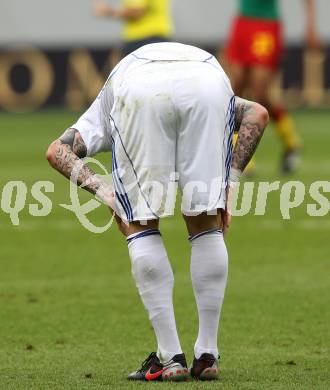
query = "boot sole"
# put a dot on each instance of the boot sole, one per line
(209, 374)
(176, 375)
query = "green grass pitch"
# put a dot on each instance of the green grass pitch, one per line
(71, 317)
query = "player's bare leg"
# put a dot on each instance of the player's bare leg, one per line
(260, 81)
(137, 227)
(209, 269)
(154, 279)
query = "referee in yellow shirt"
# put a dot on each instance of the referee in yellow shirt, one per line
(146, 21)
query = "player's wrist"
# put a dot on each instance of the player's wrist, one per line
(105, 193)
(234, 177)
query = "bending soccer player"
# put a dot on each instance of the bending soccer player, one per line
(254, 53)
(168, 114)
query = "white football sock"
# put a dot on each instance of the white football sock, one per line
(153, 275)
(209, 269)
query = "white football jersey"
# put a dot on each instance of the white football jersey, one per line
(166, 111)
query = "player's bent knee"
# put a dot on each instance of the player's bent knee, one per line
(140, 226)
(202, 222)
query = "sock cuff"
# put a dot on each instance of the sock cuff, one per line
(192, 238)
(199, 351)
(145, 233)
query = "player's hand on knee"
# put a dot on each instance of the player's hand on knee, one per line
(226, 213)
(110, 201)
(123, 226)
(225, 220)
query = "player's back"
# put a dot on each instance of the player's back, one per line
(172, 51)
(183, 69)
(163, 52)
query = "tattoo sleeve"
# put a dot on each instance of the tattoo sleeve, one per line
(250, 122)
(72, 138)
(66, 156)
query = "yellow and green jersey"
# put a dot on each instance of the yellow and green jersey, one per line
(262, 9)
(155, 22)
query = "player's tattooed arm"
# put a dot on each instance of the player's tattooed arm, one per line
(73, 138)
(250, 122)
(66, 154)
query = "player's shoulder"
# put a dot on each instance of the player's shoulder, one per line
(171, 51)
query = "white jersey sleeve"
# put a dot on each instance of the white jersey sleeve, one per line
(94, 126)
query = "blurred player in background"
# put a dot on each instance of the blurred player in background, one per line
(145, 21)
(254, 52)
(172, 111)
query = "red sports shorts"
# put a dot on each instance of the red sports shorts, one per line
(255, 42)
